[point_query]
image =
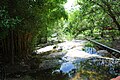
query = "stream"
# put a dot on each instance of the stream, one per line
(74, 61)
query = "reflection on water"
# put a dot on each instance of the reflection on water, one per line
(67, 67)
(90, 50)
(91, 69)
(79, 68)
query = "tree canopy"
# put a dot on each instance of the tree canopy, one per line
(24, 23)
(94, 16)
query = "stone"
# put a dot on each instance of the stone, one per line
(49, 64)
(103, 53)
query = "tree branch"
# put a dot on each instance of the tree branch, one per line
(108, 11)
(111, 14)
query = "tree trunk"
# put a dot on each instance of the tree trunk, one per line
(12, 46)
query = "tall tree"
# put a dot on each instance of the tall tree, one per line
(22, 21)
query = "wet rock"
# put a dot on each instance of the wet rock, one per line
(78, 54)
(57, 72)
(49, 64)
(55, 55)
(103, 53)
(34, 53)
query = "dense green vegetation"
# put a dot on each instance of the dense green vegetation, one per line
(24, 23)
(27, 23)
(96, 18)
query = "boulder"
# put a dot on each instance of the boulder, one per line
(103, 53)
(49, 64)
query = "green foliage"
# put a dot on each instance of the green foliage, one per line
(89, 44)
(35, 21)
(93, 17)
(26, 24)
(6, 22)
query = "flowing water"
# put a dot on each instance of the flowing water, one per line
(78, 64)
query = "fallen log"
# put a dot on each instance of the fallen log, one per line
(100, 44)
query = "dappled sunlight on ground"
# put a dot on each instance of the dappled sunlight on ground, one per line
(45, 49)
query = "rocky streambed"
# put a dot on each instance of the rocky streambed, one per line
(72, 60)
(73, 54)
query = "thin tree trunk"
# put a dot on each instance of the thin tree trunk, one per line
(12, 46)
